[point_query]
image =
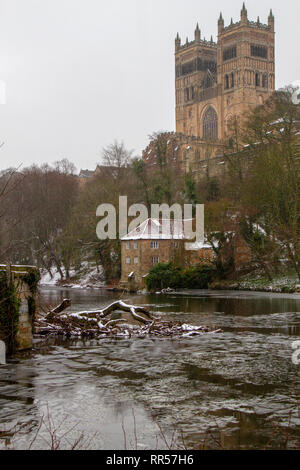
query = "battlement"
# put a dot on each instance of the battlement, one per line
(252, 24)
(201, 42)
(245, 22)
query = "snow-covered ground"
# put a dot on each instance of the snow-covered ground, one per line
(87, 277)
(288, 283)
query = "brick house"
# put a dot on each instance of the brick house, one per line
(155, 241)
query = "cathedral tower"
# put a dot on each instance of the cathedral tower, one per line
(246, 69)
(215, 82)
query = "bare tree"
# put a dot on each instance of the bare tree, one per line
(116, 155)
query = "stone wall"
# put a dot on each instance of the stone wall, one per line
(25, 325)
(24, 336)
(187, 154)
(142, 258)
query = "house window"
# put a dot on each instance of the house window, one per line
(135, 245)
(155, 259)
(127, 245)
(127, 260)
(135, 260)
(154, 244)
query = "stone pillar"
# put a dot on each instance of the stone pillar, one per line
(2, 353)
(25, 279)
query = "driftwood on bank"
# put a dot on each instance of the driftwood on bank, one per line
(98, 323)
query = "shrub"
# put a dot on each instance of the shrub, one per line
(165, 275)
(197, 277)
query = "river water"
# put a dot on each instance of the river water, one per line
(233, 390)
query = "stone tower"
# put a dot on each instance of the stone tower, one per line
(215, 82)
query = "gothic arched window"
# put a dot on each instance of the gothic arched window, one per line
(232, 80)
(210, 124)
(265, 80)
(257, 79)
(226, 82)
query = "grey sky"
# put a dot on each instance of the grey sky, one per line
(80, 73)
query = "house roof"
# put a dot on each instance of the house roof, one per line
(162, 229)
(157, 229)
(86, 173)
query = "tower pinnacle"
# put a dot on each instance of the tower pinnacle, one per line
(244, 14)
(271, 20)
(177, 42)
(197, 33)
(220, 23)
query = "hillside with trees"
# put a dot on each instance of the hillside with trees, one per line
(49, 219)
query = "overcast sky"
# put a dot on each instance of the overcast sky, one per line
(81, 73)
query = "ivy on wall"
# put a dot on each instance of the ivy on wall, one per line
(9, 312)
(32, 278)
(10, 303)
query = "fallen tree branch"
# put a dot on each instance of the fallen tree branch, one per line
(98, 323)
(62, 306)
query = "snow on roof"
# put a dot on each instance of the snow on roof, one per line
(162, 229)
(86, 173)
(197, 246)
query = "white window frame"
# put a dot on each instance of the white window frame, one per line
(135, 245)
(155, 260)
(127, 245)
(135, 260)
(128, 260)
(154, 245)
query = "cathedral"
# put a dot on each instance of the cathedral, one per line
(213, 83)
(216, 81)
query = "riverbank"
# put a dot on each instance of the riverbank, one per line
(91, 277)
(285, 284)
(86, 277)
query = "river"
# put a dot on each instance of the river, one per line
(228, 390)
